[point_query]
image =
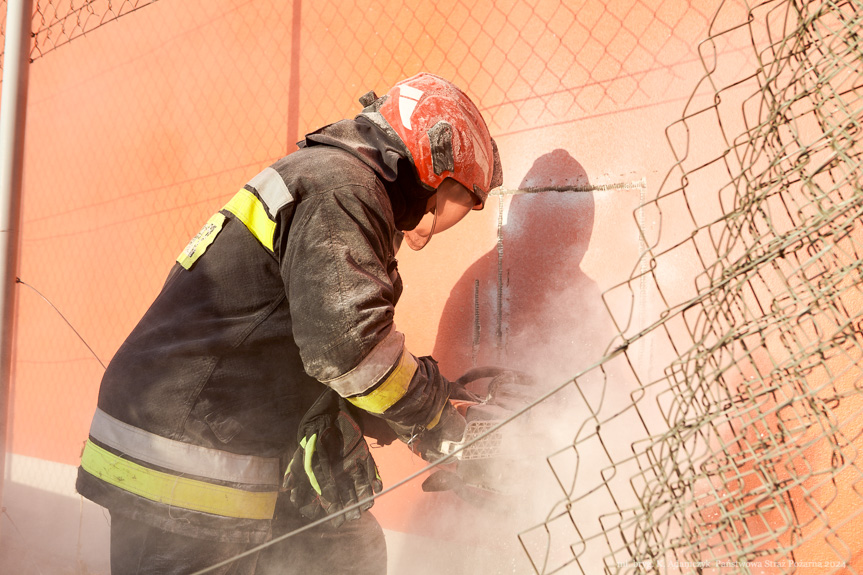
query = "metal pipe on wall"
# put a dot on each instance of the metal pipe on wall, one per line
(13, 106)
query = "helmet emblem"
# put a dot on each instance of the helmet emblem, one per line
(409, 97)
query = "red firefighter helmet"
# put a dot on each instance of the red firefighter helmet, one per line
(443, 131)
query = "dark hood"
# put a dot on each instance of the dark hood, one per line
(366, 141)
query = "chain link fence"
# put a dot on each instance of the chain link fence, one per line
(56, 22)
(529, 64)
(742, 455)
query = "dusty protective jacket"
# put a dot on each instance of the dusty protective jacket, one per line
(292, 284)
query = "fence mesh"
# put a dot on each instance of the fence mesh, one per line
(529, 63)
(742, 455)
(56, 22)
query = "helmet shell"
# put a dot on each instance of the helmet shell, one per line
(443, 131)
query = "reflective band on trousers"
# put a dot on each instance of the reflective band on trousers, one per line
(183, 458)
(176, 491)
(392, 389)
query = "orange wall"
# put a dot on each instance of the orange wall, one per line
(141, 129)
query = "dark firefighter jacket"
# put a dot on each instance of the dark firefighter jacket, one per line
(290, 285)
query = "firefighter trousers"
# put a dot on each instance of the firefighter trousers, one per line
(357, 547)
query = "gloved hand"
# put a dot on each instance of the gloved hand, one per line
(332, 468)
(486, 396)
(450, 427)
(427, 442)
(482, 393)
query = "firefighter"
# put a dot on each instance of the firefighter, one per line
(239, 395)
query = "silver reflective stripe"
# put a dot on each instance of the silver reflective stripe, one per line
(272, 189)
(183, 457)
(373, 368)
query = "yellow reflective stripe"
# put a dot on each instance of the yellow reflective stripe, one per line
(373, 368)
(436, 419)
(252, 212)
(392, 389)
(202, 240)
(176, 491)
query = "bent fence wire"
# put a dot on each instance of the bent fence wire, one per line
(57, 22)
(745, 457)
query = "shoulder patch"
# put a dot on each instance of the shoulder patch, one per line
(202, 240)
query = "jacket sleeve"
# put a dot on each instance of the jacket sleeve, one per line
(336, 266)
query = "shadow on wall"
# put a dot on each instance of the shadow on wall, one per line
(527, 304)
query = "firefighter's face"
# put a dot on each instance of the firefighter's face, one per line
(445, 208)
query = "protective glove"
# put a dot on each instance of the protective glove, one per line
(332, 468)
(426, 442)
(495, 392)
(450, 427)
(485, 396)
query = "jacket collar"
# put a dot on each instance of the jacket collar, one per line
(367, 142)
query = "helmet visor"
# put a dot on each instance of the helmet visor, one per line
(452, 203)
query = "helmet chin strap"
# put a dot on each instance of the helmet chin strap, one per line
(434, 223)
(434, 219)
(410, 237)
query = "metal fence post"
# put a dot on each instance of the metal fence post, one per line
(13, 106)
